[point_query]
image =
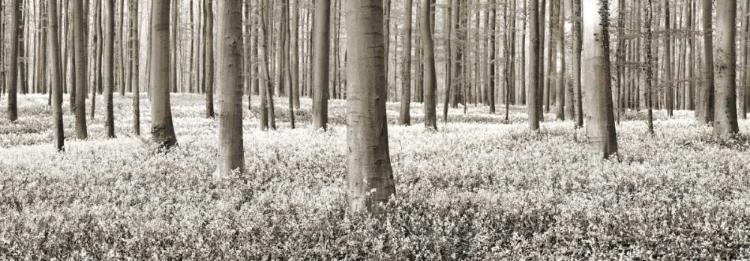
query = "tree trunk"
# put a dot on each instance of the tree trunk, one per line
(231, 154)
(109, 67)
(135, 68)
(55, 75)
(430, 78)
(725, 124)
(162, 129)
(15, 16)
(208, 58)
(370, 176)
(561, 93)
(80, 68)
(599, 108)
(285, 31)
(534, 65)
(668, 65)
(448, 59)
(708, 88)
(569, 86)
(649, 65)
(321, 63)
(404, 117)
(576, 61)
(491, 78)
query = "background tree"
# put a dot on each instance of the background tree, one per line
(321, 64)
(370, 176)
(707, 103)
(404, 117)
(560, 48)
(725, 117)
(208, 60)
(162, 129)
(600, 121)
(135, 68)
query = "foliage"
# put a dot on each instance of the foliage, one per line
(477, 189)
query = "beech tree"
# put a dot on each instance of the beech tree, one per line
(534, 67)
(109, 67)
(370, 176)
(162, 128)
(55, 76)
(15, 16)
(707, 96)
(321, 63)
(208, 60)
(725, 117)
(231, 153)
(404, 117)
(79, 39)
(600, 120)
(430, 78)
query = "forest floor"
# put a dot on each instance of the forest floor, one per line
(476, 189)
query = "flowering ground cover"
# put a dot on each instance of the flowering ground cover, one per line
(476, 189)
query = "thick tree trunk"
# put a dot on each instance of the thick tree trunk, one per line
(725, 124)
(55, 75)
(231, 154)
(15, 16)
(707, 95)
(404, 117)
(430, 77)
(162, 129)
(321, 64)
(534, 65)
(79, 39)
(109, 67)
(370, 176)
(599, 109)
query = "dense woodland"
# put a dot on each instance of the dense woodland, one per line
(248, 75)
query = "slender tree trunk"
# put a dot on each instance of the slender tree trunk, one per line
(370, 176)
(534, 65)
(404, 114)
(668, 65)
(286, 63)
(560, 101)
(135, 68)
(725, 124)
(321, 64)
(448, 58)
(492, 34)
(55, 75)
(294, 33)
(15, 17)
(649, 65)
(569, 86)
(208, 58)
(576, 61)
(109, 67)
(599, 108)
(231, 154)
(162, 129)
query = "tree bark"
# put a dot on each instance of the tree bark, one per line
(135, 68)
(534, 66)
(370, 176)
(708, 86)
(80, 68)
(404, 117)
(231, 153)
(109, 67)
(561, 94)
(599, 109)
(430, 78)
(448, 58)
(208, 58)
(15, 16)
(55, 76)
(162, 129)
(321, 63)
(725, 124)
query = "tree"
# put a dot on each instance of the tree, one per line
(231, 153)
(649, 65)
(134, 68)
(725, 117)
(448, 58)
(321, 63)
(109, 67)
(570, 88)
(707, 103)
(55, 75)
(561, 93)
(599, 109)
(79, 39)
(668, 64)
(370, 176)
(208, 58)
(15, 16)
(404, 117)
(430, 78)
(534, 66)
(493, 31)
(162, 129)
